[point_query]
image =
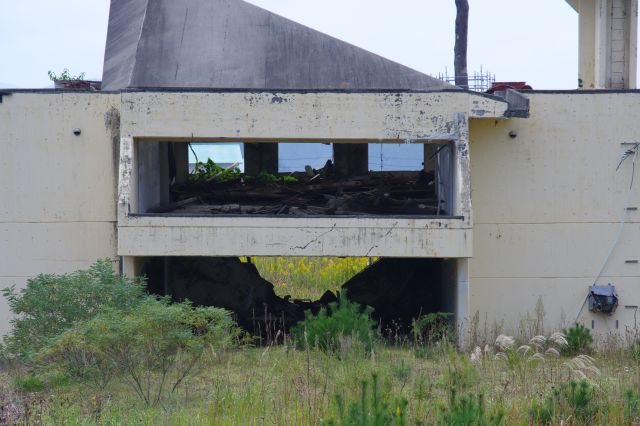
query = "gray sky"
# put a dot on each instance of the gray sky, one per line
(518, 40)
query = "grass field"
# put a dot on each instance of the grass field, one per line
(282, 386)
(499, 381)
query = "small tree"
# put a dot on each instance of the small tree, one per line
(51, 304)
(65, 75)
(341, 321)
(154, 348)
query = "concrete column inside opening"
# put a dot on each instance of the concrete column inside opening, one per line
(260, 157)
(351, 159)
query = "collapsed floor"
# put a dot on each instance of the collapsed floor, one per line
(314, 193)
(398, 290)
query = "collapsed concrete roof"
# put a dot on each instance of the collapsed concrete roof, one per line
(234, 44)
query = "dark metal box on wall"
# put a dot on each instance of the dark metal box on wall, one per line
(603, 298)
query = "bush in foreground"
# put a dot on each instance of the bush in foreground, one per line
(333, 327)
(579, 339)
(51, 304)
(154, 348)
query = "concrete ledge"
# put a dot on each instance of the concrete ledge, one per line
(250, 236)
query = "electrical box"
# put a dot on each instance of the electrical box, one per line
(603, 299)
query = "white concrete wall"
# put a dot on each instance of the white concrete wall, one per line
(58, 191)
(546, 209)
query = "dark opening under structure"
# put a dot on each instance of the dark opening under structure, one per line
(398, 289)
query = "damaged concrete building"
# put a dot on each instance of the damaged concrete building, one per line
(516, 198)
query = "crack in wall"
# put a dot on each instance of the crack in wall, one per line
(375, 246)
(316, 238)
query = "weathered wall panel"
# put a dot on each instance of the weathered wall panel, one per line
(48, 173)
(58, 209)
(547, 205)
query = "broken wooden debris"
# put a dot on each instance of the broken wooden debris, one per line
(310, 193)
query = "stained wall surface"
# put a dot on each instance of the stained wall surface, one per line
(547, 205)
(58, 192)
(355, 117)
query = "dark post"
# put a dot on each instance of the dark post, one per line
(460, 48)
(351, 159)
(260, 157)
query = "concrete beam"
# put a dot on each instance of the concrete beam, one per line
(284, 236)
(337, 117)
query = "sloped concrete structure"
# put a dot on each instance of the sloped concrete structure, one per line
(234, 44)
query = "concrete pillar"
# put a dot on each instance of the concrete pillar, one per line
(462, 301)
(181, 158)
(429, 163)
(351, 159)
(260, 157)
(460, 199)
(608, 43)
(130, 266)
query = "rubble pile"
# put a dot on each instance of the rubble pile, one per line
(311, 193)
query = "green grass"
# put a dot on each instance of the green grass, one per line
(283, 386)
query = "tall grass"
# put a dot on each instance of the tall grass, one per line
(285, 386)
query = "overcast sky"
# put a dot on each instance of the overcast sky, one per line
(518, 40)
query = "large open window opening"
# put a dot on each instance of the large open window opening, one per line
(295, 179)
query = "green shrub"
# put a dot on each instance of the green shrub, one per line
(29, 383)
(575, 399)
(460, 373)
(634, 351)
(154, 348)
(50, 304)
(543, 413)
(208, 170)
(632, 406)
(343, 323)
(370, 409)
(467, 410)
(580, 398)
(579, 339)
(432, 328)
(65, 75)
